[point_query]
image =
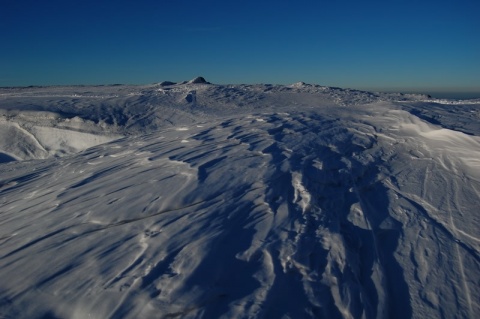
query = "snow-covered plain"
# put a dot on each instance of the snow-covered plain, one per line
(195, 200)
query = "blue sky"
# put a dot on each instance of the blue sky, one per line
(389, 44)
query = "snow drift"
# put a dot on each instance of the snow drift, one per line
(246, 201)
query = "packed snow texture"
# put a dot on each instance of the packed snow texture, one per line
(237, 201)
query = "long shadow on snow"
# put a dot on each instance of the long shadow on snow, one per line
(331, 191)
(375, 202)
(288, 295)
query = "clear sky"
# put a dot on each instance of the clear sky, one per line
(389, 44)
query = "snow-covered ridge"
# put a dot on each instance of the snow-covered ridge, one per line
(453, 101)
(241, 201)
(122, 110)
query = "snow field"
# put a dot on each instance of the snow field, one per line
(307, 210)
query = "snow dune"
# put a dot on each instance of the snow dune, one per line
(256, 202)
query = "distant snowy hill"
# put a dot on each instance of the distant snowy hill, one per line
(195, 200)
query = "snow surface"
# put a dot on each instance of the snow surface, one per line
(196, 200)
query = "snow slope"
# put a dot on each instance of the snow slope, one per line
(248, 201)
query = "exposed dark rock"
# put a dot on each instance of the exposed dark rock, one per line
(198, 80)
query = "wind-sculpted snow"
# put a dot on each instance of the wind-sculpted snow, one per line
(41, 122)
(301, 211)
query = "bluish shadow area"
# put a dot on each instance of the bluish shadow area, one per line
(331, 187)
(456, 117)
(4, 158)
(377, 203)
